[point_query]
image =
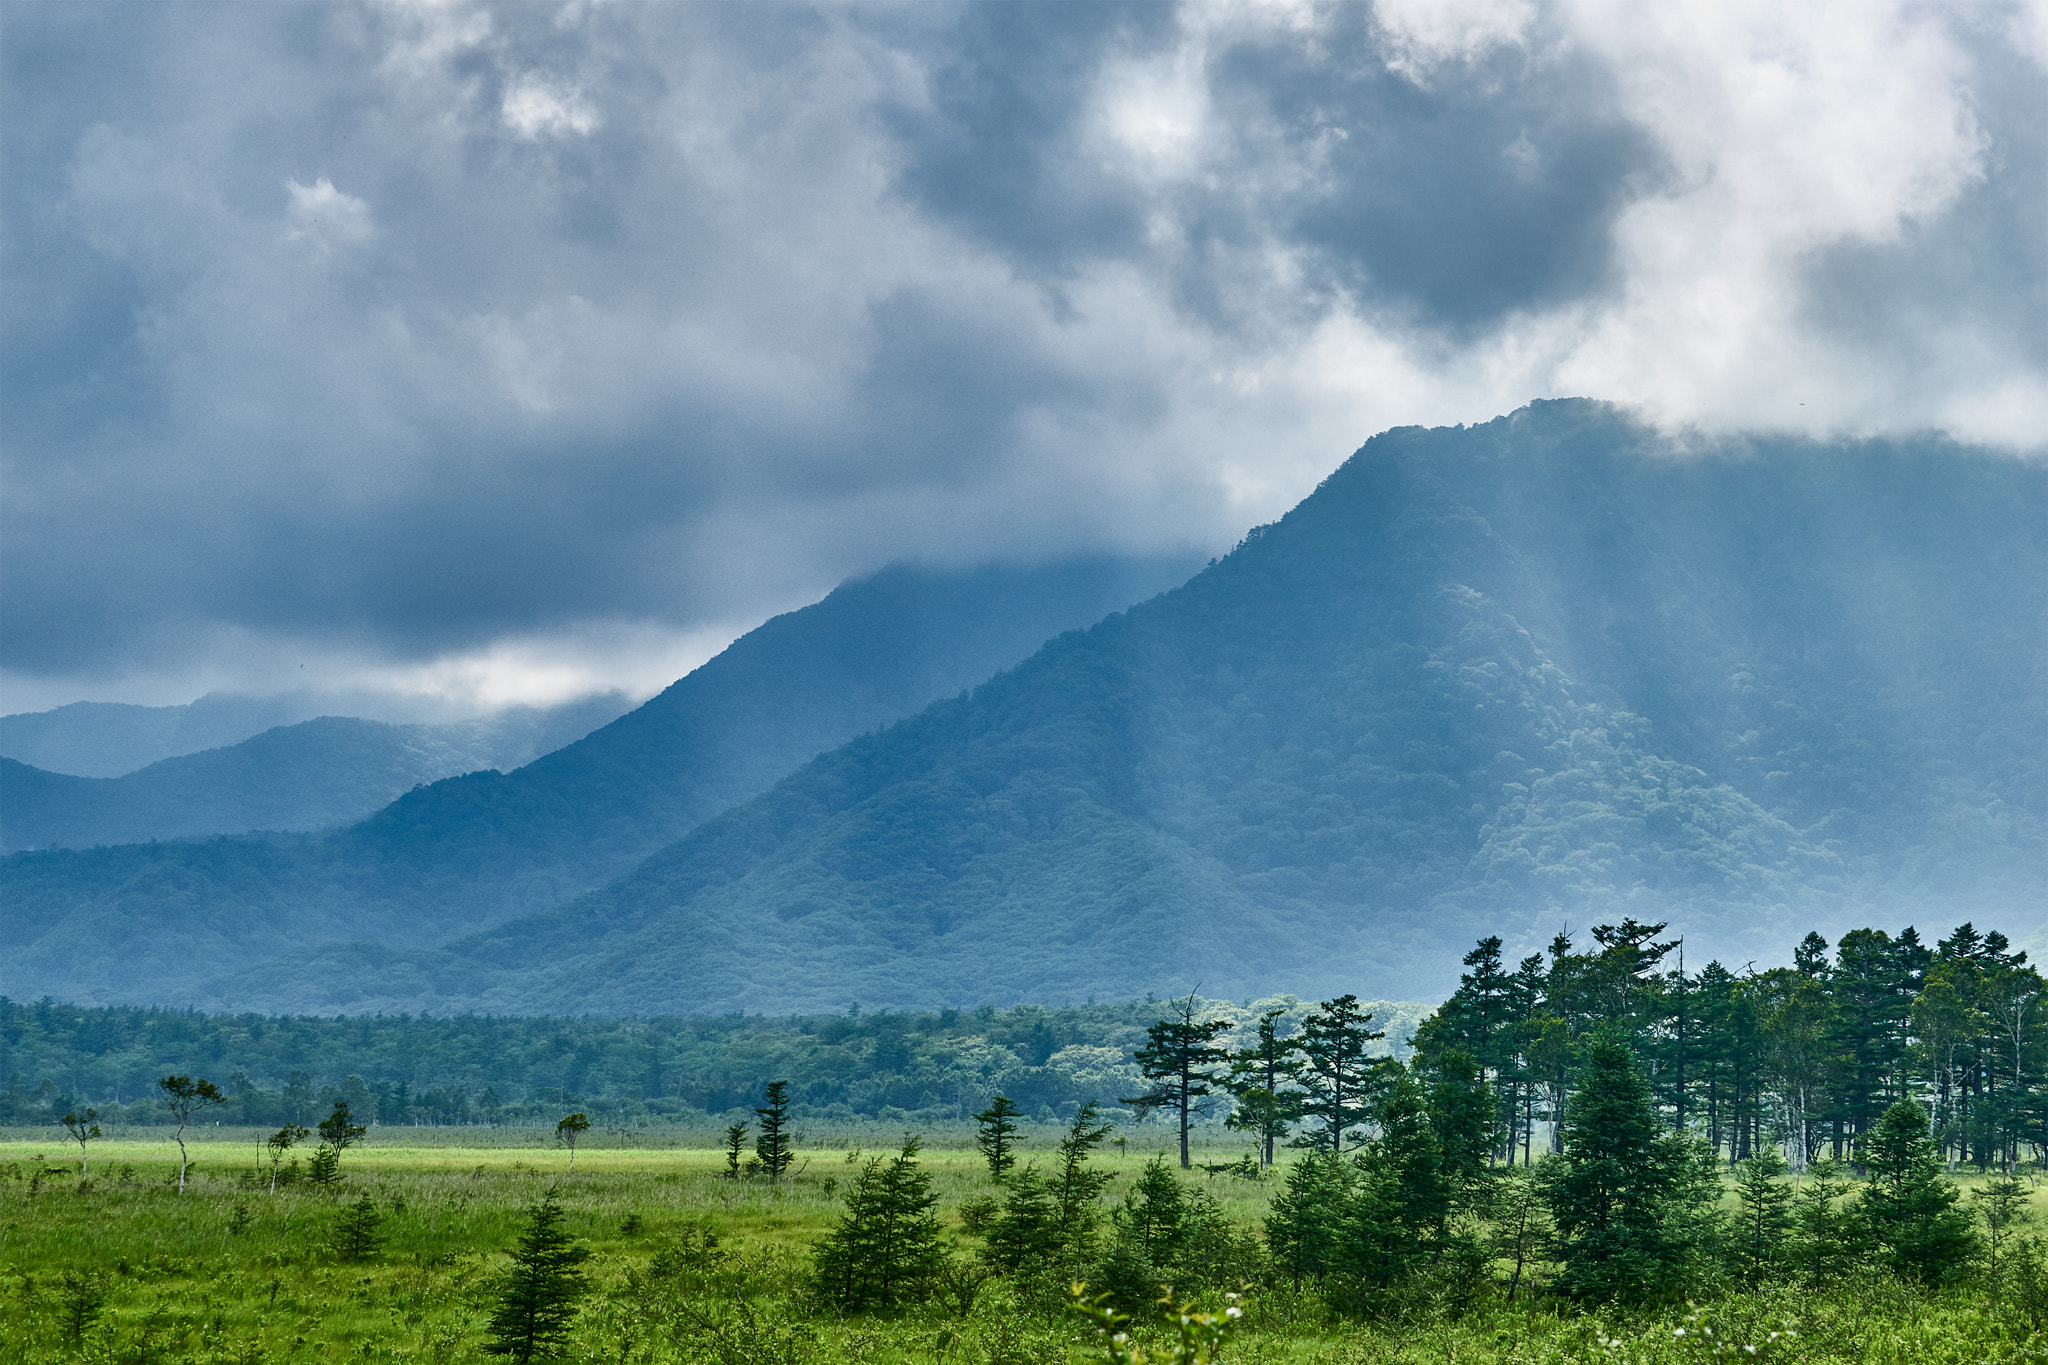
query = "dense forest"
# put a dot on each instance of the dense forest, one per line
(483, 1070)
(1806, 1056)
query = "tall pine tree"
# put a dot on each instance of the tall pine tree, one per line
(1183, 1064)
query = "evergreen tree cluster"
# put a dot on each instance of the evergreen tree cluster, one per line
(1809, 1057)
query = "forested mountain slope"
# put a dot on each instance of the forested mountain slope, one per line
(1489, 680)
(146, 923)
(316, 774)
(107, 739)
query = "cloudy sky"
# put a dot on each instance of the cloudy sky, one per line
(501, 352)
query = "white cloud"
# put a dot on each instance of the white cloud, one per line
(701, 367)
(323, 217)
(536, 108)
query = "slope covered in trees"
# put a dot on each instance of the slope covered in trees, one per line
(317, 773)
(149, 923)
(1541, 671)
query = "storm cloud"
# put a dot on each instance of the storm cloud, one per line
(515, 350)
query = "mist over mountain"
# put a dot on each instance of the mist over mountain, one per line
(110, 739)
(316, 774)
(1507, 679)
(148, 923)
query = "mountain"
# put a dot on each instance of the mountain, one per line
(318, 773)
(109, 739)
(1539, 673)
(149, 923)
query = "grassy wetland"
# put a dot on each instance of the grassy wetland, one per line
(688, 1265)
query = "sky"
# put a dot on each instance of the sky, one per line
(488, 354)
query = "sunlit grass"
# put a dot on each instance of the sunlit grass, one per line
(229, 1272)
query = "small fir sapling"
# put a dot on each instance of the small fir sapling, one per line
(537, 1301)
(997, 1136)
(735, 1147)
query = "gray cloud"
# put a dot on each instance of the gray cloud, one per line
(516, 349)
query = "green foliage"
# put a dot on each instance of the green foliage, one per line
(1911, 1213)
(538, 1300)
(1338, 1071)
(1183, 1064)
(1264, 1083)
(358, 1232)
(1048, 1223)
(1618, 1193)
(775, 1148)
(83, 1299)
(1762, 1229)
(998, 1135)
(1308, 1227)
(886, 1249)
(1198, 1338)
(735, 1145)
(324, 1167)
(1168, 1232)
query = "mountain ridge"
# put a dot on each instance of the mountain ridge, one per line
(331, 770)
(146, 923)
(1484, 680)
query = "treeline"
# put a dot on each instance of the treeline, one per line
(1420, 1184)
(1807, 1057)
(476, 1069)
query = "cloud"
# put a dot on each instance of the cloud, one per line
(454, 345)
(533, 108)
(323, 217)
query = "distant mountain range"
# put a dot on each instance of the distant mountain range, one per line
(111, 739)
(1512, 678)
(312, 775)
(152, 923)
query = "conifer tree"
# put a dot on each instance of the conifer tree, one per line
(1338, 1074)
(776, 1146)
(1824, 1237)
(997, 1135)
(1262, 1082)
(735, 1143)
(1305, 1226)
(2005, 1202)
(1184, 1065)
(886, 1249)
(1763, 1217)
(1404, 1205)
(537, 1301)
(1910, 1210)
(359, 1231)
(1026, 1230)
(1076, 1185)
(1463, 1118)
(1614, 1192)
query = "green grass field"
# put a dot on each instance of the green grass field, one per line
(231, 1273)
